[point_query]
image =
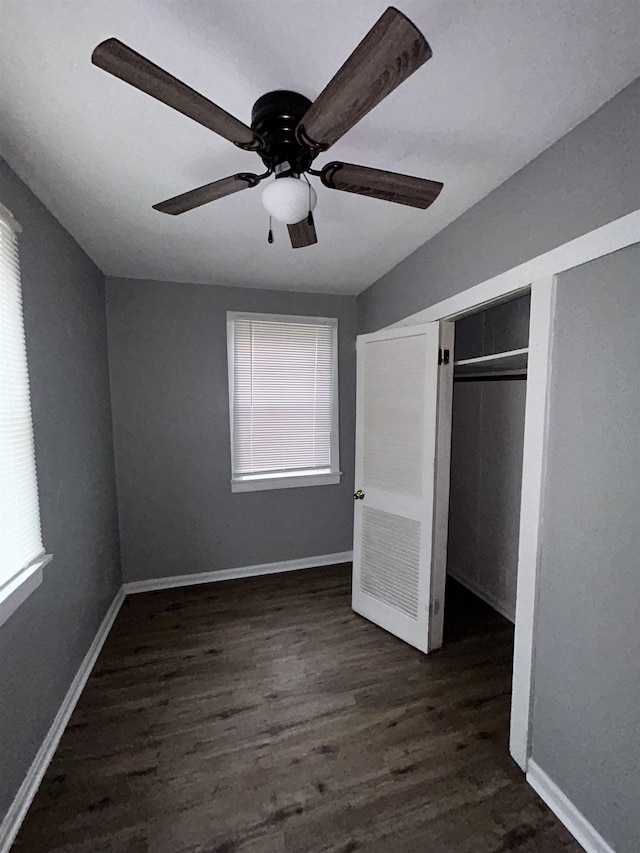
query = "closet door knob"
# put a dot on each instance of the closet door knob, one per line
(358, 496)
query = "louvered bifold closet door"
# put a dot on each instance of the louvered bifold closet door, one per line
(396, 426)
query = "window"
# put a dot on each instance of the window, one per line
(283, 401)
(21, 553)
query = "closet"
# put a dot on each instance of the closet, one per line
(490, 369)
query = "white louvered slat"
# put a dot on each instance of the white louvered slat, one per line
(282, 394)
(20, 536)
(391, 559)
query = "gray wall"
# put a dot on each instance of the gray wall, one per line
(586, 716)
(44, 641)
(486, 460)
(586, 179)
(501, 328)
(168, 359)
(486, 477)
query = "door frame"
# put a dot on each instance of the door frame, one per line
(538, 275)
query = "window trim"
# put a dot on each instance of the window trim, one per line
(286, 480)
(18, 588)
(15, 590)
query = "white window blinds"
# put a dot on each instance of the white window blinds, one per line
(20, 537)
(283, 395)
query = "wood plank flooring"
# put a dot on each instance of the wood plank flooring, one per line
(263, 716)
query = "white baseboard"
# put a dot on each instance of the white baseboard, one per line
(566, 811)
(485, 596)
(242, 572)
(18, 809)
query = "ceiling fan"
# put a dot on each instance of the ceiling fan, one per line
(288, 131)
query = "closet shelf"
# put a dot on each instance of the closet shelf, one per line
(501, 363)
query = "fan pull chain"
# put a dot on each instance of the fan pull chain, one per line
(270, 234)
(309, 216)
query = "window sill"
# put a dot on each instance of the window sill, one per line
(287, 481)
(17, 590)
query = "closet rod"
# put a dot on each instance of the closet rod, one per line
(506, 378)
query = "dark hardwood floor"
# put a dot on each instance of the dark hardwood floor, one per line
(262, 715)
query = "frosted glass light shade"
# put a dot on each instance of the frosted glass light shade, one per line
(287, 199)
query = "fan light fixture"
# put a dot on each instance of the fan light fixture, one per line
(289, 200)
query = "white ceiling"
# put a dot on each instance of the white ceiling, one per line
(507, 79)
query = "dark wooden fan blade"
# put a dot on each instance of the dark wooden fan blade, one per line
(390, 52)
(118, 59)
(389, 186)
(303, 233)
(209, 192)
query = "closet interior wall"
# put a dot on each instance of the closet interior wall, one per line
(486, 460)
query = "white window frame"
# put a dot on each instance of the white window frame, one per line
(16, 589)
(285, 480)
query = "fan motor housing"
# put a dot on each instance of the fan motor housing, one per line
(275, 117)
